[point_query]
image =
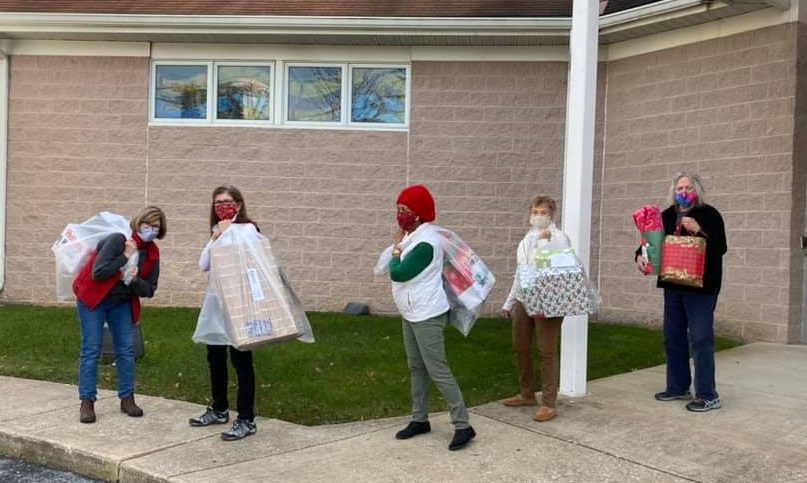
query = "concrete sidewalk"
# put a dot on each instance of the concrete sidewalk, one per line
(617, 433)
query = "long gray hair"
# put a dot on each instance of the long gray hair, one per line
(696, 183)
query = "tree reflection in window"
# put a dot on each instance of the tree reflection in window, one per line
(244, 92)
(315, 94)
(378, 95)
(180, 92)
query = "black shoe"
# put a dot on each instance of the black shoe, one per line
(669, 396)
(414, 428)
(461, 438)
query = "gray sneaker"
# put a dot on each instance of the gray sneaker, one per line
(211, 416)
(241, 429)
(703, 405)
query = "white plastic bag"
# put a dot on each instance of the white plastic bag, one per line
(76, 243)
(251, 303)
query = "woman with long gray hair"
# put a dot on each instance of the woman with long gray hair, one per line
(689, 311)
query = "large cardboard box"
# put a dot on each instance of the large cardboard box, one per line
(257, 301)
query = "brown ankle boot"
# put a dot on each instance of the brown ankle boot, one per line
(129, 407)
(87, 411)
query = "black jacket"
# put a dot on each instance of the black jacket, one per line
(713, 229)
(110, 259)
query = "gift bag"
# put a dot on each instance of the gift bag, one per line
(253, 295)
(77, 242)
(683, 259)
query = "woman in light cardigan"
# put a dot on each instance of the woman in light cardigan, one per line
(543, 231)
(417, 288)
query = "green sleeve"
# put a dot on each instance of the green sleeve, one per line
(403, 270)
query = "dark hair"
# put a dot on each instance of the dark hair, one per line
(149, 215)
(235, 194)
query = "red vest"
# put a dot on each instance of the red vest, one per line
(92, 292)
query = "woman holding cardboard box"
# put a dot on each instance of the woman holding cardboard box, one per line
(227, 207)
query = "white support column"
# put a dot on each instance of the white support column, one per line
(578, 176)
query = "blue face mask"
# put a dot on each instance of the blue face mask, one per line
(685, 199)
(147, 233)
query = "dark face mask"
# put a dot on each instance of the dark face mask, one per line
(407, 221)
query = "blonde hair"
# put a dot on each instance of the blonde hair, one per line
(150, 215)
(546, 201)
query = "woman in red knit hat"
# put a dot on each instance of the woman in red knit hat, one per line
(417, 288)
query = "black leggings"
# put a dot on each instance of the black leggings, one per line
(242, 361)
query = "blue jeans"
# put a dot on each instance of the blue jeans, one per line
(693, 313)
(119, 319)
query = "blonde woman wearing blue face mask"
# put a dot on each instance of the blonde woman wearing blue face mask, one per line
(542, 232)
(108, 289)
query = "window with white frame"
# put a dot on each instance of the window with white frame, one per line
(378, 95)
(244, 92)
(314, 93)
(373, 96)
(180, 91)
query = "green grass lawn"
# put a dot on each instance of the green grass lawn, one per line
(356, 370)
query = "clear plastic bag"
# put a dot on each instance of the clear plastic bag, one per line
(76, 243)
(467, 281)
(127, 272)
(250, 302)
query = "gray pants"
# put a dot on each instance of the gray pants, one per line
(426, 355)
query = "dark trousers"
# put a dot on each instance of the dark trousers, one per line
(242, 362)
(689, 320)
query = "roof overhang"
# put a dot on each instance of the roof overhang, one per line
(390, 31)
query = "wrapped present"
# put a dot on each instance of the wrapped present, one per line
(555, 291)
(683, 259)
(257, 301)
(648, 221)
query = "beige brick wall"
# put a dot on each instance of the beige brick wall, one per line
(485, 137)
(725, 109)
(77, 141)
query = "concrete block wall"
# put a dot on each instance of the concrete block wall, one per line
(77, 142)
(722, 108)
(485, 137)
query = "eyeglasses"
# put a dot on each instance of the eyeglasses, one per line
(223, 203)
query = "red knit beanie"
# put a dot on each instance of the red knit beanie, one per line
(418, 199)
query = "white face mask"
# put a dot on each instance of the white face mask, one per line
(540, 221)
(147, 233)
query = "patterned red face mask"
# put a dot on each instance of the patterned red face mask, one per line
(226, 212)
(407, 221)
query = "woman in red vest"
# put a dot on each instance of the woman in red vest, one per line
(108, 289)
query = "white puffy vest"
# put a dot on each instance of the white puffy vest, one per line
(422, 297)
